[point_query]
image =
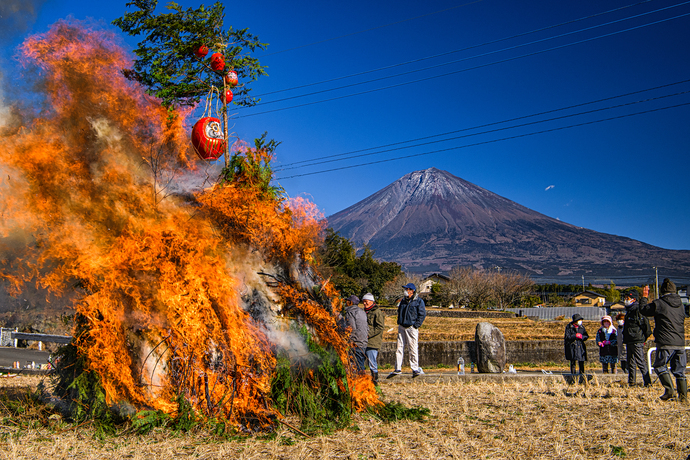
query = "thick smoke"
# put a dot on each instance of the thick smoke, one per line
(16, 16)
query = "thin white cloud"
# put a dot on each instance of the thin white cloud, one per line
(549, 187)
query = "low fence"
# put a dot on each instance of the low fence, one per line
(434, 353)
(10, 337)
(549, 313)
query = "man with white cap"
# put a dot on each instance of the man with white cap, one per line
(411, 314)
(376, 322)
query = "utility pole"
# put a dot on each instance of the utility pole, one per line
(656, 270)
(583, 283)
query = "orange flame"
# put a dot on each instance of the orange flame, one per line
(157, 286)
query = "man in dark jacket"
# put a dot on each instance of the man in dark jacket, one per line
(669, 335)
(636, 330)
(357, 321)
(411, 314)
(376, 322)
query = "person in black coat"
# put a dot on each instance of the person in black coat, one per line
(669, 335)
(636, 331)
(575, 350)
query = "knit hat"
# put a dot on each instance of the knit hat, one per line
(606, 318)
(354, 299)
(668, 287)
(577, 317)
(632, 293)
(369, 296)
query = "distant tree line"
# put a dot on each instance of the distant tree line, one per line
(562, 294)
(337, 260)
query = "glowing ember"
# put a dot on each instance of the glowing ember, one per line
(170, 300)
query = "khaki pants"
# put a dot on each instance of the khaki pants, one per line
(407, 338)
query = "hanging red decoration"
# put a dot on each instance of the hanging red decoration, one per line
(217, 65)
(208, 139)
(217, 62)
(228, 96)
(231, 78)
(201, 52)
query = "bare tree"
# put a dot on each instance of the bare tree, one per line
(509, 288)
(392, 291)
(479, 288)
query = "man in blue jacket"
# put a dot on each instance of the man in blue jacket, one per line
(411, 314)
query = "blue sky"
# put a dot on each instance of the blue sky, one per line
(626, 176)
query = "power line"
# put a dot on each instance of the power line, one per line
(451, 52)
(488, 53)
(466, 69)
(369, 30)
(348, 154)
(490, 131)
(517, 136)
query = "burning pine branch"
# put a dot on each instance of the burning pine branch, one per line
(171, 315)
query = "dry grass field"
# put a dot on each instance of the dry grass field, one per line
(439, 328)
(511, 420)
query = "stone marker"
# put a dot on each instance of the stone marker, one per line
(491, 348)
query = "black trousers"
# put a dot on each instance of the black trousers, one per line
(636, 358)
(675, 358)
(581, 365)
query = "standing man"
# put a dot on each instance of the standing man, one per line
(636, 331)
(376, 321)
(411, 314)
(357, 321)
(669, 334)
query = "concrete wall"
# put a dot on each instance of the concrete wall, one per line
(434, 353)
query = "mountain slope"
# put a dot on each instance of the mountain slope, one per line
(431, 220)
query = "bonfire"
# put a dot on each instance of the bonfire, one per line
(198, 303)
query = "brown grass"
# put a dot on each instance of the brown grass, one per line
(511, 420)
(439, 328)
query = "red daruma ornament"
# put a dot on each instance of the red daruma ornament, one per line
(208, 139)
(231, 78)
(228, 96)
(201, 52)
(217, 62)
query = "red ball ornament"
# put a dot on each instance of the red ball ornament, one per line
(228, 96)
(217, 62)
(208, 139)
(218, 65)
(231, 78)
(201, 52)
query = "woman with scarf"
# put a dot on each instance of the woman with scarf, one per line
(607, 339)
